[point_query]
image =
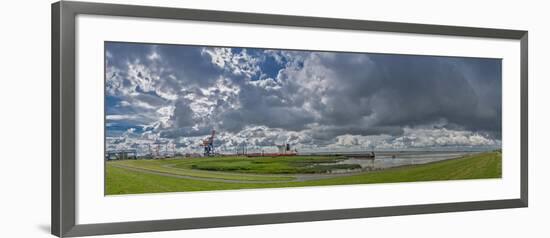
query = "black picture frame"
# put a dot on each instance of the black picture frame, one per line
(63, 117)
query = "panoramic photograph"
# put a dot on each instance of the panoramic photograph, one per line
(182, 118)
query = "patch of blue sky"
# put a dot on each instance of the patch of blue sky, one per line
(117, 128)
(270, 67)
(112, 104)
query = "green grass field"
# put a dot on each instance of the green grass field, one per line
(271, 165)
(203, 174)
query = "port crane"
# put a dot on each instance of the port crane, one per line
(208, 144)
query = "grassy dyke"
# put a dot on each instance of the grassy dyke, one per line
(479, 166)
(183, 168)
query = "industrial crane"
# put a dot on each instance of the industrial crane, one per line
(208, 144)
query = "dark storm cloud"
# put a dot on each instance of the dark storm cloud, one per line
(328, 133)
(293, 119)
(271, 108)
(387, 91)
(172, 64)
(419, 90)
(307, 98)
(183, 114)
(185, 132)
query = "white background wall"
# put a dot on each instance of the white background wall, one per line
(25, 118)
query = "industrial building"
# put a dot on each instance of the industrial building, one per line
(120, 154)
(285, 149)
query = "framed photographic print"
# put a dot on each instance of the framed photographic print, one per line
(167, 119)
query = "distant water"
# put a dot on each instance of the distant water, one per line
(385, 160)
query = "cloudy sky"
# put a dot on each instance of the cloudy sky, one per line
(316, 101)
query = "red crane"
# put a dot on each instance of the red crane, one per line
(208, 144)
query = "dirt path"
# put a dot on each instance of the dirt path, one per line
(192, 177)
(297, 177)
(173, 166)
